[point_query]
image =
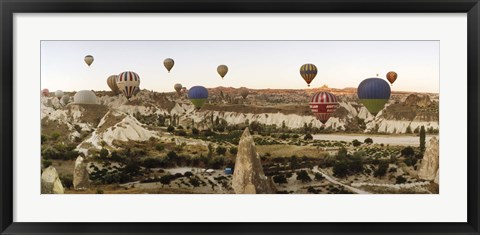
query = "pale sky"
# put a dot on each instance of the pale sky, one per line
(252, 64)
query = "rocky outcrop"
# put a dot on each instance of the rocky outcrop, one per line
(419, 101)
(248, 176)
(51, 183)
(430, 163)
(80, 175)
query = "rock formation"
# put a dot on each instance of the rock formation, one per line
(430, 162)
(420, 101)
(80, 175)
(248, 176)
(51, 183)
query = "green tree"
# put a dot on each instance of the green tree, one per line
(409, 130)
(340, 169)
(356, 143)
(103, 153)
(170, 128)
(195, 131)
(303, 176)
(279, 179)
(165, 180)
(233, 150)
(368, 141)
(319, 176)
(381, 170)
(221, 150)
(308, 136)
(422, 139)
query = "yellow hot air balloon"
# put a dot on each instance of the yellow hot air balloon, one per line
(112, 83)
(168, 63)
(88, 59)
(308, 72)
(222, 70)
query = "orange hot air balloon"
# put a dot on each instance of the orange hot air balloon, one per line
(391, 77)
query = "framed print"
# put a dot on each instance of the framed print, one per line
(252, 117)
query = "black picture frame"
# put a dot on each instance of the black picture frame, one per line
(9, 7)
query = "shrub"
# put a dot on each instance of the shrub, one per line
(46, 163)
(170, 128)
(55, 135)
(400, 180)
(181, 133)
(99, 191)
(356, 143)
(103, 153)
(340, 169)
(172, 155)
(195, 131)
(368, 141)
(381, 170)
(279, 179)
(408, 151)
(188, 174)
(221, 150)
(308, 136)
(67, 180)
(233, 150)
(159, 147)
(194, 182)
(165, 180)
(319, 176)
(303, 176)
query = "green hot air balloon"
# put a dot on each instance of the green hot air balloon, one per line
(373, 93)
(198, 95)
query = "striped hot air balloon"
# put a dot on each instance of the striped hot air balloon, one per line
(323, 104)
(373, 94)
(112, 83)
(127, 82)
(198, 95)
(391, 77)
(308, 72)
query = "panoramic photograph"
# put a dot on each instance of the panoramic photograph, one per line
(239, 117)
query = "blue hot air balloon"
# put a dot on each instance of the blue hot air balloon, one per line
(198, 95)
(374, 94)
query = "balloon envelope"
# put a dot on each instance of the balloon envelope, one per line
(323, 104)
(244, 92)
(177, 87)
(198, 95)
(373, 94)
(391, 77)
(222, 70)
(45, 92)
(88, 60)
(168, 63)
(112, 83)
(308, 72)
(85, 97)
(127, 82)
(58, 94)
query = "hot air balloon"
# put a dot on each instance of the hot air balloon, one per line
(178, 88)
(45, 92)
(168, 63)
(373, 94)
(112, 83)
(65, 99)
(198, 95)
(308, 72)
(244, 92)
(136, 91)
(391, 77)
(222, 70)
(58, 94)
(127, 82)
(88, 59)
(323, 104)
(85, 97)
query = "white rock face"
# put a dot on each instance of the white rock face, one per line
(80, 175)
(430, 163)
(51, 183)
(248, 176)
